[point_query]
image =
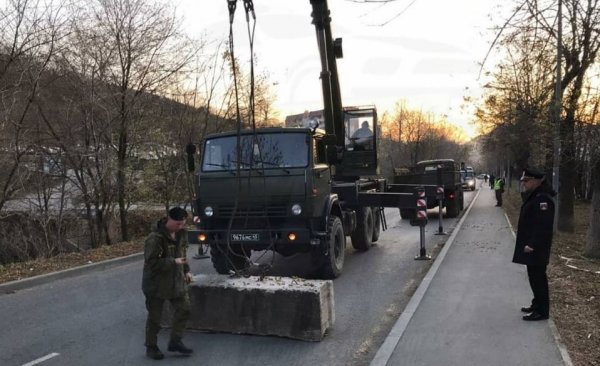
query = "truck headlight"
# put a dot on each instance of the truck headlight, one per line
(208, 211)
(296, 209)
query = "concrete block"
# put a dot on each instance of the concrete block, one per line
(280, 306)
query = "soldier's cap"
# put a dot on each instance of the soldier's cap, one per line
(177, 214)
(532, 173)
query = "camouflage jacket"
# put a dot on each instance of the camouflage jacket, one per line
(162, 277)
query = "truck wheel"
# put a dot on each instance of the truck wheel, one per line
(377, 211)
(362, 236)
(453, 207)
(335, 245)
(461, 199)
(226, 259)
(407, 213)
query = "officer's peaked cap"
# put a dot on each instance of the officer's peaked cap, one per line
(177, 214)
(533, 173)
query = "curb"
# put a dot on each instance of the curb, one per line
(17, 285)
(564, 353)
(384, 353)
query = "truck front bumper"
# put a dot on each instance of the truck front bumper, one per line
(255, 239)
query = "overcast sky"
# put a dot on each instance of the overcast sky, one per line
(427, 54)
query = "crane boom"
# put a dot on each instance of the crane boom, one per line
(329, 51)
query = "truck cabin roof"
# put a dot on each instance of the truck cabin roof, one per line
(431, 165)
(436, 161)
(318, 132)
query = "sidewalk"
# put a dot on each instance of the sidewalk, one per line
(467, 309)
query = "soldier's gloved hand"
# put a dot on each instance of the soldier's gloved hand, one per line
(188, 277)
(528, 249)
(182, 260)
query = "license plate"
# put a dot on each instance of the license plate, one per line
(245, 237)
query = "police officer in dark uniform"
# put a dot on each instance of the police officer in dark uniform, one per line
(534, 238)
(166, 276)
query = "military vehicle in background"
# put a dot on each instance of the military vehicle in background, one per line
(431, 174)
(294, 190)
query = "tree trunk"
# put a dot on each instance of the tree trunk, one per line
(121, 194)
(568, 161)
(592, 244)
(566, 186)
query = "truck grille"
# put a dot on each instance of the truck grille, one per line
(255, 211)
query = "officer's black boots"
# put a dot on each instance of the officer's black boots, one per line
(535, 316)
(154, 353)
(529, 309)
(176, 345)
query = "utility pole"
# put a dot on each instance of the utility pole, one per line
(557, 110)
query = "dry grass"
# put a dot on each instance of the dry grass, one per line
(17, 271)
(574, 287)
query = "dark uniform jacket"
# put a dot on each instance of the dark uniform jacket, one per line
(535, 228)
(163, 278)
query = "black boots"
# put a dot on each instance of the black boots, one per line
(154, 353)
(529, 309)
(535, 316)
(176, 345)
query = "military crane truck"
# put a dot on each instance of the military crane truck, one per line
(430, 174)
(294, 190)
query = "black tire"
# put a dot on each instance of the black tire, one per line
(453, 207)
(377, 212)
(335, 245)
(226, 259)
(362, 236)
(407, 213)
(461, 199)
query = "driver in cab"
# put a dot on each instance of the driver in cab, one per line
(362, 139)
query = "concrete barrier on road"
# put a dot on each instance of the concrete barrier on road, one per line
(280, 306)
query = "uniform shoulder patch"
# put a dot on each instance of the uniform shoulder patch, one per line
(543, 206)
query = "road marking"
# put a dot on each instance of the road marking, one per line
(42, 359)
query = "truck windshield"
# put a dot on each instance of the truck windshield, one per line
(262, 151)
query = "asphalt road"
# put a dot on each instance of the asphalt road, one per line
(98, 318)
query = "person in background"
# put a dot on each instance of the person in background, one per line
(534, 240)
(166, 276)
(492, 180)
(523, 190)
(499, 190)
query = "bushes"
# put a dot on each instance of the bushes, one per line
(24, 236)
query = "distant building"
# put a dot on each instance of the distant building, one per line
(303, 119)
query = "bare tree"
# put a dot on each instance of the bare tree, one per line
(580, 45)
(30, 32)
(409, 136)
(147, 48)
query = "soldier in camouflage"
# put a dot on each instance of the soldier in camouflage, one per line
(166, 277)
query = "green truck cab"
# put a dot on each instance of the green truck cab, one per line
(268, 201)
(431, 174)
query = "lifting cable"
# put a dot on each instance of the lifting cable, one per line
(249, 9)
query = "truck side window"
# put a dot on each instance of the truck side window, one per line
(318, 152)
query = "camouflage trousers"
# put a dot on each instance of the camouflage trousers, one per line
(181, 307)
